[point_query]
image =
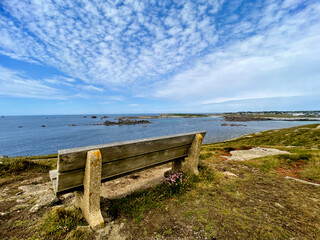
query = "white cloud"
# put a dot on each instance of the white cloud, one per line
(15, 84)
(116, 98)
(92, 88)
(106, 43)
(195, 52)
(281, 61)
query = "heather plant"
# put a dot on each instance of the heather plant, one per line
(176, 183)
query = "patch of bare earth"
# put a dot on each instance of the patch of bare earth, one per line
(22, 202)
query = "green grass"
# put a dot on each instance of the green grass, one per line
(303, 136)
(59, 222)
(20, 165)
(137, 203)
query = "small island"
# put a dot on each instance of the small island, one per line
(123, 122)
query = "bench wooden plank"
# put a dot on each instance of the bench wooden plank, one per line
(73, 159)
(53, 176)
(74, 179)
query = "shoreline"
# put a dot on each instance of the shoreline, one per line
(53, 155)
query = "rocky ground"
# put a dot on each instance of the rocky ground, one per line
(241, 193)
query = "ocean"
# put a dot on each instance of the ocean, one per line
(25, 136)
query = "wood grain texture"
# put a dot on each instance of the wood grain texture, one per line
(74, 179)
(73, 159)
(120, 159)
(53, 176)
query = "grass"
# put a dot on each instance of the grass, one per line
(306, 136)
(61, 223)
(15, 169)
(135, 204)
(256, 204)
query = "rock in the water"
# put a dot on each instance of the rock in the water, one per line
(123, 122)
(233, 125)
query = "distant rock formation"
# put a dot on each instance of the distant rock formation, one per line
(43, 125)
(93, 116)
(233, 125)
(104, 117)
(123, 122)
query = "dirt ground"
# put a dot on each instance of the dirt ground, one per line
(240, 202)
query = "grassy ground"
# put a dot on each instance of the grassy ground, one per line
(257, 202)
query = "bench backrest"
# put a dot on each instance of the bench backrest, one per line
(120, 159)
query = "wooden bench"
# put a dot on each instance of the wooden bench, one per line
(83, 169)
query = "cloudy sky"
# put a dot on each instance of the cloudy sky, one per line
(94, 56)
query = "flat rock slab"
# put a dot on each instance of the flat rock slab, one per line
(242, 155)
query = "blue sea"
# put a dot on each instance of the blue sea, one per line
(25, 136)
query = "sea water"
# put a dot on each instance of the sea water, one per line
(25, 136)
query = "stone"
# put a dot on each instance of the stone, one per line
(278, 205)
(229, 174)
(35, 190)
(44, 201)
(89, 199)
(191, 165)
(242, 155)
(111, 232)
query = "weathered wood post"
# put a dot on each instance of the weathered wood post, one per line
(89, 199)
(191, 166)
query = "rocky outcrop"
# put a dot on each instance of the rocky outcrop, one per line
(125, 122)
(233, 125)
(122, 122)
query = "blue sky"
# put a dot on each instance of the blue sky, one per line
(77, 57)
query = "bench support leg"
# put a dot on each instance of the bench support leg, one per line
(191, 165)
(177, 165)
(89, 199)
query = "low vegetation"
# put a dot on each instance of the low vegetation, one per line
(63, 223)
(227, 200)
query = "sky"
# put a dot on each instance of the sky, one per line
(91, 56)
